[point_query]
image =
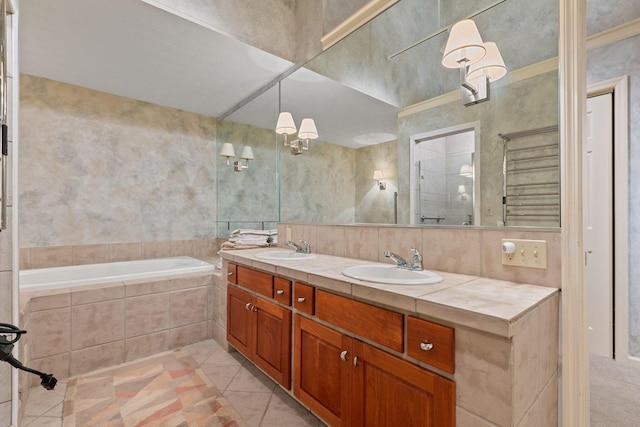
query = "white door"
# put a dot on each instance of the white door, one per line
(598, 223)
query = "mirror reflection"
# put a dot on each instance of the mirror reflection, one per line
(371, 95)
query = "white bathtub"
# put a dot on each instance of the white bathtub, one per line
(78, 275)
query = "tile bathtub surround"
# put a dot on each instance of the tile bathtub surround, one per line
(73, 331)
(58, 256)
(471, 251)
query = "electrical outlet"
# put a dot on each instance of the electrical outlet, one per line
(524, 253)
(289, 233)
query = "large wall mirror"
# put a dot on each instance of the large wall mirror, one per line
(373, 96)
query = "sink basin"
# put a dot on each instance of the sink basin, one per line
(283, 255)
(391, 274)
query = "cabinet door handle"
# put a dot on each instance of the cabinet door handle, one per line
(355, 361)
(248, 306)
(426, 345)
(343, 356)
(230, 273)
(254, 308)
(280, 291)
(302, 299)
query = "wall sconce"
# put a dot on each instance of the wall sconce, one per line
(466, 171)
(478, 62)
(246, 155)
(286, 126)
(379, 177)
(462, 191)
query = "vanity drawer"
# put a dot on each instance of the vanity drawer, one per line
(257, 281)
(383, 326)
(431, 343)
(282, 290)
(304, 298)
(232, 273)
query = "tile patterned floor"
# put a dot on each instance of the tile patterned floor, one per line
(260, 401)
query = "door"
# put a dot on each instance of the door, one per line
(322, 371)
(598, 224)
(389, 392)
(239, 325)
(272, 341)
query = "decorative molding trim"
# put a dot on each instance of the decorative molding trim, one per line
(620, 88)
(363, 15)
(512, 77)
(613, 35)
(572, 54)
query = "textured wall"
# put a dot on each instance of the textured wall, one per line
(97, 168)
(623, 58)
(372, 204)
(523, 105)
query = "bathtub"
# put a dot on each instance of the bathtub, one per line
(81, 275)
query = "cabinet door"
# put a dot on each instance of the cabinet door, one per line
(272, 341)
(239, 316)
(322, 371)
(389, 391)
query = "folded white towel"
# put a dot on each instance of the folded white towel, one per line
(248, 231)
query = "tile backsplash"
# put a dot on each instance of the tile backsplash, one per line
(471, 251)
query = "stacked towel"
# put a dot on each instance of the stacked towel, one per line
(248, 238)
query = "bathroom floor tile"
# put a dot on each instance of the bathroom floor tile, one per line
(250, 405)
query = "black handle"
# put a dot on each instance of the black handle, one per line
(5, 142)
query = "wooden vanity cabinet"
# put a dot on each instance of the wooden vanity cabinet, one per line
(260, 330)
(350, 383)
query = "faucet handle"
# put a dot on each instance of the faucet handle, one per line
(307, 246)
(417, 259)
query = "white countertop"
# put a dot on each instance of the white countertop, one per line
(480, 303)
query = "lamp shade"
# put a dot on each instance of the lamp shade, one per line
(464, 45)
(378, 175)
(492, 65)
(247, 153)
(466, 170)
(308, 129)
(285, 124)
(227, 150)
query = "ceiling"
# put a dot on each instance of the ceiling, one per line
(135, 50)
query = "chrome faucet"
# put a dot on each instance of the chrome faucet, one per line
(305, 249)
(401, 263)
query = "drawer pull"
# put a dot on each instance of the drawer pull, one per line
(301, 299)
(426, 346)
(280, 291)
(248, 306)
(343, 356)
(230, 273)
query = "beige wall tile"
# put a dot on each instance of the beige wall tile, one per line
(190, 334)
(146, 314)
(5, 410)
(330, 240)
(125, 251)
(57, 365)
(306, 232)
(97, 293)
(50, 332)
(548, 403)
(191, 281)
(97, 323)
(452, 250)
(182, 247)
(549, 346)
(5, 382)
(146, 345)
(25, 258)
(362, 243)
(531, 418)
(483, 375)
(90, 254)
(5, 246)
(49, 302)
(156, 250)
(188, 306)
(219, 303)
(526, 361)
(50, 256)
(466, 419)
(92, 358)
(219, 333)
(146, 286)
(399, 241)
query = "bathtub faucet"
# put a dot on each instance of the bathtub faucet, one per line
(401, 263)
(306, 249)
